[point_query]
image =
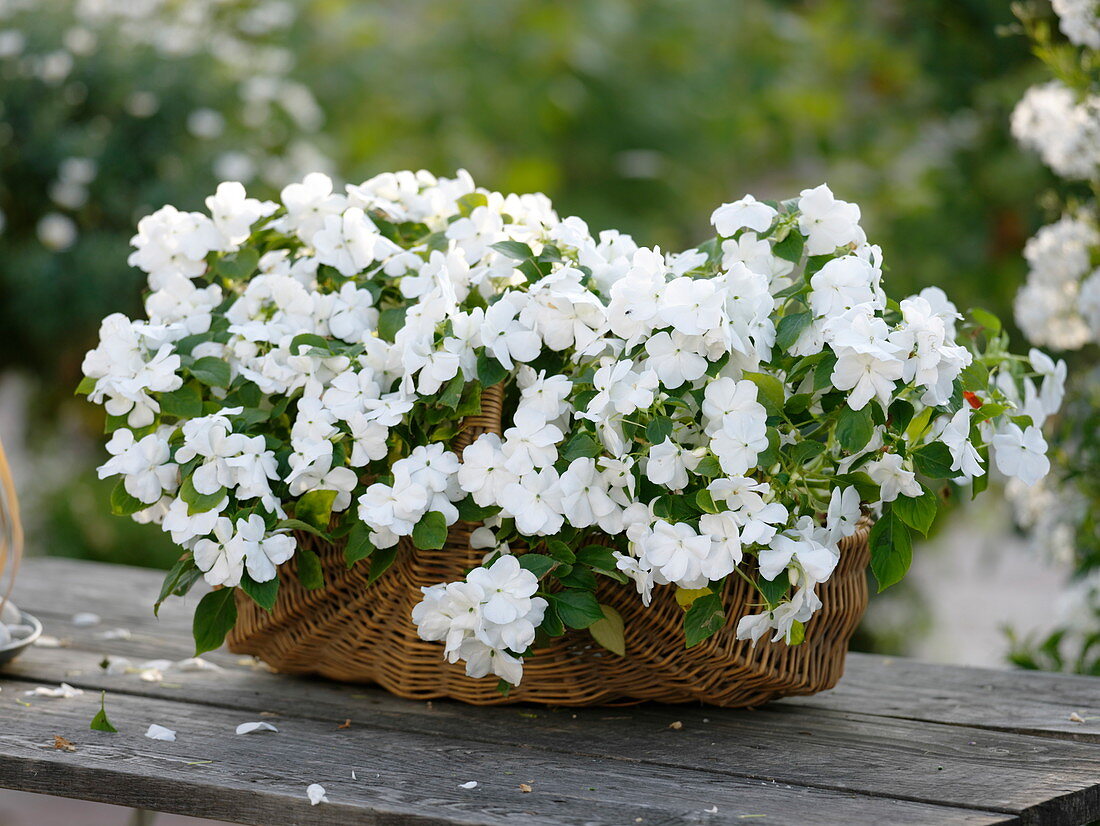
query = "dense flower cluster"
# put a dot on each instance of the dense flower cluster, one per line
(1059, 307)
(668, 418)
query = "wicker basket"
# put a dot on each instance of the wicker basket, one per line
(358, 632)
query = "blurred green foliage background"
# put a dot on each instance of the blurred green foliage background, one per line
(642, 116)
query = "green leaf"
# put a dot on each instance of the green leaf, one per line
(178, 580)
(805, 451)
(538, 564)
(471, 201)
(310, 572)
(703, 619)
(359, 546)
(239, 266)
(790, 248)
(560, 551)
(597, 556)
(709, 467)
(215, 616)
(705, 502)
(934, 461)
(854, 428)
(577, 577)
(86, 386)
(263, 594)
(774, 590)
(470, 403)
(771, 394)
(489, 370)
(608, 631)
(380, 562)
(985, 319)
(389, 322)
(184, 403)
(199, 502)
(452, 393)
(891, 549)
(901, 413)
(790, 327)
(100, 721)
(918, 425)
(122, 503)
(823, 373)
(470, 511)
(309, 340)
(516, 250)
(577, 609)
(211, 371)
(430, 532)
(975, 376)
(315, 508)
(551, 623)
(658, 429)
(918, 512)
(579, 446)
(299, 525)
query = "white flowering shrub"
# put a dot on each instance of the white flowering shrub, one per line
(1059, 307)
(669, 420)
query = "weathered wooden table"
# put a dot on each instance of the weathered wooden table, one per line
(897, 742)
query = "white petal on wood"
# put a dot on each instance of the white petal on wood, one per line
(471, 785)
(156, 732)
(316, 794)
(85, 620)
(249, 728)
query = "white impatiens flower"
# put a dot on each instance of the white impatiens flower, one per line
(350, 242)
(844, 513)
(826, 222)
(263, 552)
(669, 464)
(745, 213)
(508, 589)
(585, 494)
(505, 337)
(801, 546)
(221, 559)
(892, 477)
(1021, 454)
(531, 442)
(675, 358)
(965, 458)
(484, 472)
(535, 502)
(145, 465)
(234, 213)
(679, 553)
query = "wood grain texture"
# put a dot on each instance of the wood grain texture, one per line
(400, 777)
(957, 745)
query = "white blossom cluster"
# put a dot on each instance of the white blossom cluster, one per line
(240, 37)
(1059, 306)
(1062, 126)
(1079, 21)
(669, 419)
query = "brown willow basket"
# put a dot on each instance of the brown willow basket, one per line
(358, 632)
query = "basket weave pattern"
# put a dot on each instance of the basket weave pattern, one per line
(358, 632)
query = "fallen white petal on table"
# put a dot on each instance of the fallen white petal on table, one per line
(63, 691)
(156, 732)
(316, 794)
(85, 620)
(117, 665)
(197, 664)
(471, 785)
(46, 641)
(116, 634)
(249, 728)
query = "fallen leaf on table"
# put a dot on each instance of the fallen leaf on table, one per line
(61, 744)
(525, 787)
(676, 726)
(249, 728)
(100, 721)
(345, 724)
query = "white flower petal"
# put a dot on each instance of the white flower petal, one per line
(156, 732)
(249, 728)
(316, 794)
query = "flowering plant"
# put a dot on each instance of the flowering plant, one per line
(670, 419)
(1059, 307)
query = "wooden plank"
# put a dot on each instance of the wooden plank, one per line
(1029, 702)
(880, 756)
(402, 778)
(1007, 700)
(845, 751)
